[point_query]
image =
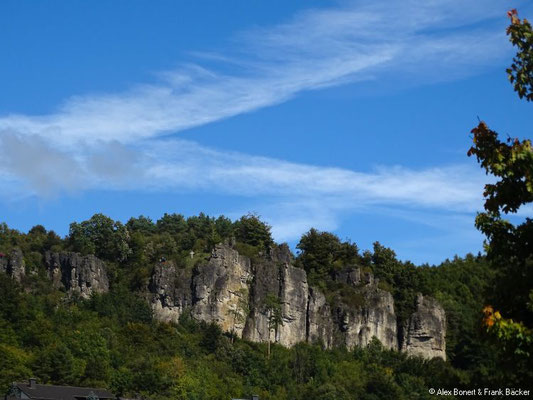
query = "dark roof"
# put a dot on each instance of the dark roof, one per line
(52, 392)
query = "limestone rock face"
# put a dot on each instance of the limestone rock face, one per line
(231, 290)
(220, 289)
(275, 276)
(426, 329)
(13, 264)
(216, 291)
(170, 289)
(352, 325)
(75, 273)
(320, 326)
(294, 295)
(266, 280)
(354, 277)
(374, 318)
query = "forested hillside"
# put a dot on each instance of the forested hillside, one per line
(112, 340)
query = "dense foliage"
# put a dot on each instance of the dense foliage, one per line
(111, 339)
(509, 245)
(521, 70)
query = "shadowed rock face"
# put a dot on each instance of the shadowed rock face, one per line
(375, 317)
(13, 265)
(276, 276)
(216, 291)
(426, 329)
(351, 326)
(213, 292)
(77, 274)
(170, 289)
(320, 326)
(266, 280)
(230, 290)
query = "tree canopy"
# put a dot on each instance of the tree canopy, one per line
(509, 245)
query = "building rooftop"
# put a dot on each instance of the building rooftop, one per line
(32, 390)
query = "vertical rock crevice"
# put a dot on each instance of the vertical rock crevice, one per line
(307, 315)
(425, 332)
(75, 273)
(13, 264)
(230, 290)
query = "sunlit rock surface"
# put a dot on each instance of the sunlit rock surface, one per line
(425, 334)
(228, 285)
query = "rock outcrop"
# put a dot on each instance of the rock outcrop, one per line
(170, 291)
(354, 321)
(220, 289)
(276, 276)
(77, 274)
(375, 317)
(426, 329)
(13, 264)
(231, 291)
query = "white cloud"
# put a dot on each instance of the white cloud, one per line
(421, 40)
(178, 163)
(112, 141)
(293, 197)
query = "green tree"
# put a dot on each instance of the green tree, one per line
(323, 253)
(13, 364)
(172, 223)
(521, 71)
(56, 364)
(101, 236)
(141, 224)
(254, 232)
(509, 246)
(272, 307)
(224, 227)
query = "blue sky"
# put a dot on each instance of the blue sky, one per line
(347, 116)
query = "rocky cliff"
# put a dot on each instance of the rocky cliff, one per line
(13, 264)
(77, 274)
(231, 291)
(426, 329)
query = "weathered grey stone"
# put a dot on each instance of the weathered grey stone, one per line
(294, 296)
(320, 326)
(216, 290)
(170, 289)
(280, 254)
(351, 325)
(374, 318)
(425, 334)
(220, 287)
(231, 291)
(77, 274)
(266, 281)
(13, 265)
(350, 276)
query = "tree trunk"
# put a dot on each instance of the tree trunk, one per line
(268, 346)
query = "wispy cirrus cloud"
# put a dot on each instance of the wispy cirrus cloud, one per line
(291, 195)
(113, 141)
(422, 40)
